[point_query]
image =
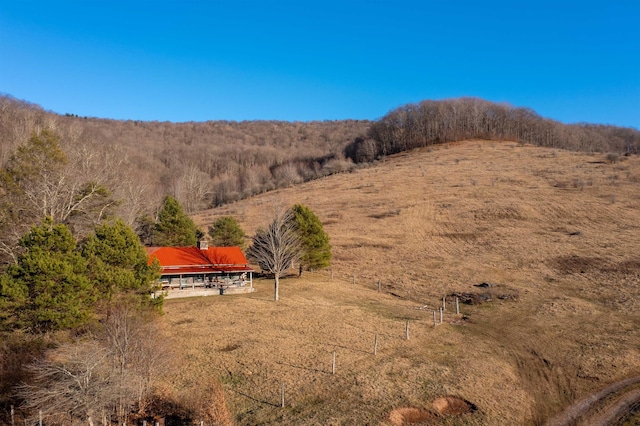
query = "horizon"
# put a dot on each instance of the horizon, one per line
(199, 61)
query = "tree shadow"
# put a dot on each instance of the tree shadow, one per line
(254, 399)
(301, 367)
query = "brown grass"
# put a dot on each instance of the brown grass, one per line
(428, 224)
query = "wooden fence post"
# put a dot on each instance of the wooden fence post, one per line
(457, 306)
(375, 344)
(406, 330)
(434, 319)
(333, 363)
(282, 405)
(379, 287)
(441, 310)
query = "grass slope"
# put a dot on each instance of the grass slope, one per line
(556, 233)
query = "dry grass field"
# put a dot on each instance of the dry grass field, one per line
(556, 234)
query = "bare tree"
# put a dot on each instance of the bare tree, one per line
(69, 384)
(276, 248)
(106, 376)
(136, 355)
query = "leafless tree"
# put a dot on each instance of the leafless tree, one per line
(136, 355)
(106, 375)
(192, 188)
(69, 384)
(276, 248)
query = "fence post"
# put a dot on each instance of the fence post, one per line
(434, 319)
(379, 286)
(333, 363)
(375, 344)
(457, 306)
(12, 417)
(406, 330)
(441, 310)
(282, 405)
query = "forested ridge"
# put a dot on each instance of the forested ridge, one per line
(133, 165)
(433, 122)
(200, 164)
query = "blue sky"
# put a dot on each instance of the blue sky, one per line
(573, 61)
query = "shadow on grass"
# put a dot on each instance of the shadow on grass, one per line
(301, 367)
(352, 349)
(259, 401)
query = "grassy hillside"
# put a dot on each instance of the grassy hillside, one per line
(555, 233)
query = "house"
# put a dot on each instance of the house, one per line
(203, 266)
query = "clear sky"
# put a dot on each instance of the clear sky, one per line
(188, 60)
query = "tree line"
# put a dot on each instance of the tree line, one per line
(200, 164)
(434, 122)
(216, 162)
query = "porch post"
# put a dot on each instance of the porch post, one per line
(251, 279)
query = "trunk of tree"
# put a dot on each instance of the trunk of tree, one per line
(276, 286)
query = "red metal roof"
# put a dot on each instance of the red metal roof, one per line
(192, 260)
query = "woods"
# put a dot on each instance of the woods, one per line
(199, 164)
(433, 122)
(127, 168)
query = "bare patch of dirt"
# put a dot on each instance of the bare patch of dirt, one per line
(410, 416)
(453, 406)
(444, 406)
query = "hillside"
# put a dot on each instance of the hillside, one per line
(200, 163)
(553, 233)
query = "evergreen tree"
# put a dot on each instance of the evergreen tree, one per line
(118, 263)
(315, 241)
(174, 228)
(226, 232)
(47, 289)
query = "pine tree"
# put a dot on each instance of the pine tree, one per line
(47, 289)
(315, 241)
(174, 228)
(118, 263)
(226, 232)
